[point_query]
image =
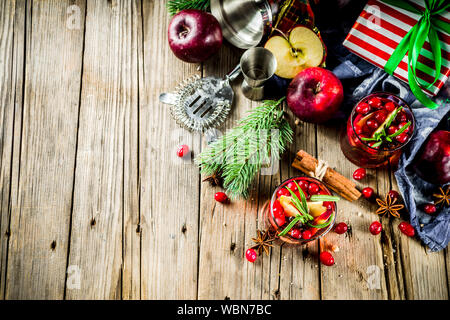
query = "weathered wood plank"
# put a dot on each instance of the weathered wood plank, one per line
(42, 196)
(358, 273)
(104, 242)
(226, 229)
(169, 186)
(424, 272)
(12, 16)
(299, 273)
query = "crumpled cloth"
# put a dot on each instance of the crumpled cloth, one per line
(361, 78)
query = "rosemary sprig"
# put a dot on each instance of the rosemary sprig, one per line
(302, 207)
(175, 6)
(320, 197)
(257, 140)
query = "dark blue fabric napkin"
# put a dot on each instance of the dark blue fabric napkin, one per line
(361, 78)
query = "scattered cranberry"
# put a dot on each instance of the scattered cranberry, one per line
(280, 221)
(326, 258)
(367, 192)
(392, 129)
(295, 233)
(306, 235)
(429, 208)
(292, 186)
(283, 192)
(277, 209)
(313, 188)
(375, 102)
(406, 229)
(393, 194)
(363, 108)
(341, 228)
(375, 228)
(402, 137)
(359, 174)
(182, 150)
(372, 124)
(251, 255)
(221, 197)
(390, 106)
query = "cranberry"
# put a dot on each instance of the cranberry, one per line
(380, 116)
(326, 258)
(363, 108)
(403, 225)
(303, 185)
(292, 186)
(402, 137)
(401, 117)
(429, 208)
(375, 102)
(367, 192)
(306, 235)
(390, 106)
(393, 194)
(341, 228)
(375, 228)
(283, 192)
(328, 204)
(221, 197)
(358, 130)
(407, 229)
(323, 193)
(313, 188)
(280, 221)
(401, 125)
(251, 255)
(359, 174)
(392, 129)
(277, 209)
(295, 233)
(182, 150)
(372, 124)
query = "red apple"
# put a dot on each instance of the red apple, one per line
(194, 35)
(315, 95)
(433, 161)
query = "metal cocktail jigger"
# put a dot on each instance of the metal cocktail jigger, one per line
(258, 65)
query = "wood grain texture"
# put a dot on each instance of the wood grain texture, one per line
(42, 196)
(104, 243)
(358, 273)
(12, 18)
(169, 186)
(90, 181)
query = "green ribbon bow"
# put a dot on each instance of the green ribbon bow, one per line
(414, 41)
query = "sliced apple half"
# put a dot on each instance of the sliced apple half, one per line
(302, 49)
(316, 209)
(289, 209)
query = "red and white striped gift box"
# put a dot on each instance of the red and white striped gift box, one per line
(380, 28)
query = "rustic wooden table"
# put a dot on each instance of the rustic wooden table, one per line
(94, 204)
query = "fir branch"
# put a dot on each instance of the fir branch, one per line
(243, 150)
(175, 6)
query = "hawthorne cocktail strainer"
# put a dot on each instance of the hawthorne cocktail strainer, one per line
(199, 104)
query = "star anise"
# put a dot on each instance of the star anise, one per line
(214, 179)
(264, 240)
(389, 206)
(442, 198)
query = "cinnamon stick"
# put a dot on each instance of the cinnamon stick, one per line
(334, 180)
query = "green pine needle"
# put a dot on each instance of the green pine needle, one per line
(175, 6)
(256, 141)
